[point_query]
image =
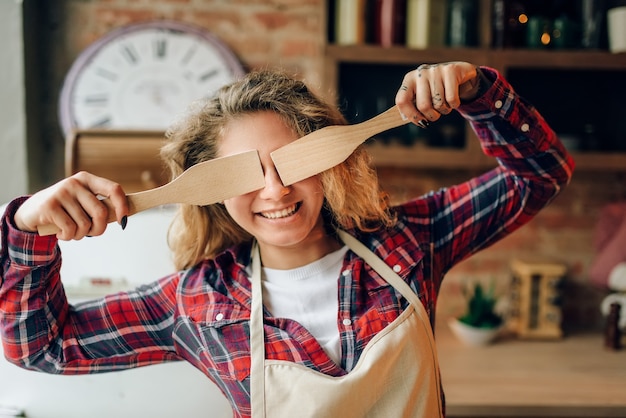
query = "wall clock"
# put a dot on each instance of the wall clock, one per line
(143, 75)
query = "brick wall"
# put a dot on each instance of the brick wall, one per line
(290, 34)
(283, 33)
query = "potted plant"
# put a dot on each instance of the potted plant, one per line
(480, 324)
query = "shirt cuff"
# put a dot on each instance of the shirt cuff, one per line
(484, 84)
(24, 248)
(487, 79)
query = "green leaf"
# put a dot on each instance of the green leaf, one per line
(481, 308)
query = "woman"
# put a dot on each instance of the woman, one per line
(316, 299)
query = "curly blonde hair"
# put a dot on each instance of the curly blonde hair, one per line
(353, 198)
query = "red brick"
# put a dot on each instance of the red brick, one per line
(300, 48)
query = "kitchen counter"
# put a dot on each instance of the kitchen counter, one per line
(573, 377)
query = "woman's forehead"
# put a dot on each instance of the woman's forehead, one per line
(264, 131)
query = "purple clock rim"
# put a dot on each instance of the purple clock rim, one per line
(65, 116)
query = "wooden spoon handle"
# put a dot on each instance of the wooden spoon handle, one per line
(390, 118)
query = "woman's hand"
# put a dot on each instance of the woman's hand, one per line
(434, 90)
(73, 206)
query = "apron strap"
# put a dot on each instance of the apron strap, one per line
(381, 268)
(257, 339)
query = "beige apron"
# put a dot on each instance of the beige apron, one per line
(397, 374)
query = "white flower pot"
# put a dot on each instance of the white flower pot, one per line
(472, 336)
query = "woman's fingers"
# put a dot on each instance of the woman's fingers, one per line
(424, 92)
(95, 204)
(70, 216)
(405, 99)
(432, 90)
(111, 190)
(75, 206)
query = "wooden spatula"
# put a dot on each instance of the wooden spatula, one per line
(203, 184)
(329, 146)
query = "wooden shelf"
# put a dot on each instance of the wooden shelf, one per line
(600, 161)
(471, 157)
(400, 55)
(566, 60)
(422, 156)
(498, 58)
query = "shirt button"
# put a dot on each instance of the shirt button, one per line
(219, 316)
(397, 268)
(347, 322)
(345, 273)
(525, 127)
(498, 104)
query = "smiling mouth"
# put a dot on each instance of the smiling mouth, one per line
(281, 213)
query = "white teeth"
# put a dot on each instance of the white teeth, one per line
(280, 213)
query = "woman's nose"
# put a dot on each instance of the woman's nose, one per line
(274, 188)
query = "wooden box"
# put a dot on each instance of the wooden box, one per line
(130, 158)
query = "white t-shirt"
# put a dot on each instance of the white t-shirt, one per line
(309, 295)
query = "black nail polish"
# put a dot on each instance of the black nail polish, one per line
(124, 222)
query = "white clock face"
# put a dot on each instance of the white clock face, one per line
(142, 77)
